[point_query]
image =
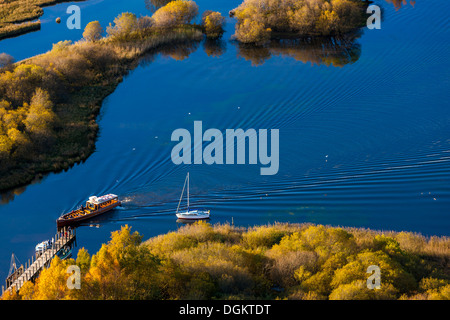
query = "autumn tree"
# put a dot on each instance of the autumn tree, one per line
(123, 26)
(93, 31)
(301, 17)
(213, 23)
(122, 269)
(5, 60)
(40, 117)
(5, 145)
(395, 278)
(175, 13)
(52, 282)
(250, 31)
(83, 260)
(25, 76)
(358, 290)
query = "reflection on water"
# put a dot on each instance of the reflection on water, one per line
(399, 3)
(154, 5)
(181, 51)
(335, 52)
(9, 195)
(214, 47)
(182, 222)
(178, 52)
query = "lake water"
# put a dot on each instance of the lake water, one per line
(364, 141)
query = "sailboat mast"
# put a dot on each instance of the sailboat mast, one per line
(12, 265)
(182, 192)
(188, 190)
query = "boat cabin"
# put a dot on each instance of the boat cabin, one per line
(94, 203)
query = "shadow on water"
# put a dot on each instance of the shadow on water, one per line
(214, 47)
(153, 5)
(398, 4)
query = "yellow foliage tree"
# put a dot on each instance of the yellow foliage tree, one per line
(175, 13)
(93, 31)
(124, 26)
(303, 17)
(40, 117)
(213, 23)
(52, 282)
(27, 291)
(251, 31)
(5, 145)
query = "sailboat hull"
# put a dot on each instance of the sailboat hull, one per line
(190, 214)
(193, 215)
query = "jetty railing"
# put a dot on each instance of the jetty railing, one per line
(64, 238)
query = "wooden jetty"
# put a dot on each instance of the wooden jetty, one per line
(62, 240)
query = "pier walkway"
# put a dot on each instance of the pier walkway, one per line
(62, 240)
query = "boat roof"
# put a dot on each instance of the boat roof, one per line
(102, 199)
(42, 245)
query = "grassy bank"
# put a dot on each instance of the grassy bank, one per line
(280, 261)
(16, 16)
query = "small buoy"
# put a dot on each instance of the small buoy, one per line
(58, 20)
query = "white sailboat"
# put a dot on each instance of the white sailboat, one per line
(190, 214)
